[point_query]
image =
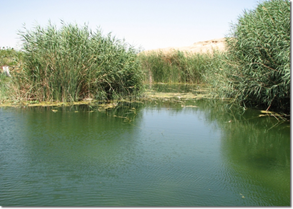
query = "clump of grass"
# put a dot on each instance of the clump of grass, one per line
(4, 87)
(177, 66)
(258, 61)
(10, 57)
(72, 63)
(13, 59)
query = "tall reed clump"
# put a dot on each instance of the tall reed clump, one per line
(258, 60)
(72, 63)
(176, 66)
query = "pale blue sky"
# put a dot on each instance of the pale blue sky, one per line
(149, 24)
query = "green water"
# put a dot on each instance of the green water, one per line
(158, 153)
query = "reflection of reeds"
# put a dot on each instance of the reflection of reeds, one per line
(74, 63)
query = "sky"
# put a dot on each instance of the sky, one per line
(145, 24)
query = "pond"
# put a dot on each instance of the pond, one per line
(162, 152)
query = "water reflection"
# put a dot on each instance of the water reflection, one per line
(257, 150)
(158, 153)
(66, 151)
(86, 134)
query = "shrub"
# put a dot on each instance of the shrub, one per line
(72, 63)
(258, 71)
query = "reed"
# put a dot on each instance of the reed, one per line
(257, 71)
(177, 66)
(4, 87)
(13, 59)
(73, 63)
(10, 57)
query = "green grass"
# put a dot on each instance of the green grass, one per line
(178, 66)
(72, 63)
(258, 61)
(10, 57)
(4, 87)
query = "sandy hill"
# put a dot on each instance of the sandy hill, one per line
(198, 47)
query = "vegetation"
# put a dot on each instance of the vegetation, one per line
(255, 70)
(257, 66)
(4, 88)
(10, 57)
(72, 63)
(13, 59)
(177, 66)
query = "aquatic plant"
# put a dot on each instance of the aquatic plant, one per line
(73, 63)
(4, 87)
(176, 66)
(10, 57)
(258, 62)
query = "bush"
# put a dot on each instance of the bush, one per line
(73, 63)
(258, 71)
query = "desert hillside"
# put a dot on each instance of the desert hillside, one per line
(198, 47)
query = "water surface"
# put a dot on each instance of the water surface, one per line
(160, 153)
